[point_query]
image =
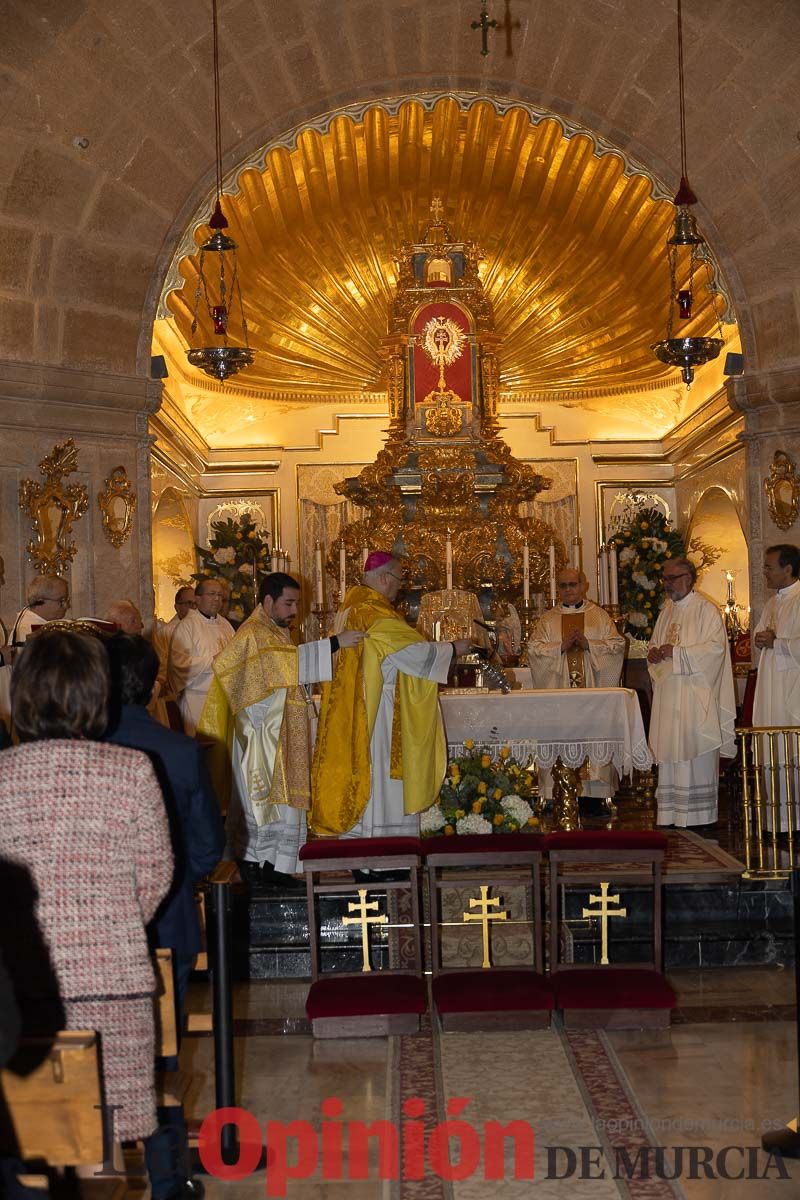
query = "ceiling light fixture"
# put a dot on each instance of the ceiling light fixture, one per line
(685, 257)
(222, 360)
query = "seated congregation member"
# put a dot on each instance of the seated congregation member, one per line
(194, 820)
(381, 754)
(694, 705)
(200, 636)
(258, 708)
(87, 821)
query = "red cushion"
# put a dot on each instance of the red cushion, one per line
(612, 987)
(492, 990)
(359, 847)
(604, 839)
(365, 995)
(482, 843)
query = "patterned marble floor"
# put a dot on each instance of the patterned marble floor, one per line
(705, 1083)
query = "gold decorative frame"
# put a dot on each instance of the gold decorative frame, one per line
(117, 504)
(53, 509)
(782, 487)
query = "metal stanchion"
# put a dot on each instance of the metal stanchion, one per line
(786, 1141)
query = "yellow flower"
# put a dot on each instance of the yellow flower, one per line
(486, 760)
(533, 821)
(667, 554)
(643, 525)
(455, 770)
(449, 829)
(498, 820)
(504, 753)
(460, 813)
(482, 788)
(469, 744)
(477, 805)
(497, 793)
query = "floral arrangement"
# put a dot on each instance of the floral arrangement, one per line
(237, 552)
(482, 794)
(644, 543)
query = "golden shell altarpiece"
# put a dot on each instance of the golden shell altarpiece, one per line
(444, 469)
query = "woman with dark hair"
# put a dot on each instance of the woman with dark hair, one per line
(87, 820)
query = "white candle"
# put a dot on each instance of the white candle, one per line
(274, 562)
(602, 578)
(319, 594)
(553, 572)
(364, 557)
(612, 575)
(576, 553)
(526, 575)
(342, 571)
(449, 562)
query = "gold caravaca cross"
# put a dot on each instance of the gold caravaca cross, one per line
(484, 903)
(362, 908)
(484, 24)
(604, 912)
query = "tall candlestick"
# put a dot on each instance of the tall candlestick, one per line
(552, 557)
(526, 575)
(342, 572)
(602, 578)
(612, 575)
(319, 595)
(449, 562)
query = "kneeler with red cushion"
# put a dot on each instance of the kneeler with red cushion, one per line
(494, 997)
(616, 995)
(368, 1003)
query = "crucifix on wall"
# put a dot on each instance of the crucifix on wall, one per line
(484, 24)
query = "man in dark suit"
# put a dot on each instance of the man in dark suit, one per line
(195, 824)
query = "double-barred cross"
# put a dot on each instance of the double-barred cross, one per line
(484, 903)
(361, 909)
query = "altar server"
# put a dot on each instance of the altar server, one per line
(576, 645)
(258, 707)
(777, 698)
(381, 754)
(195, 644)
(694, 707)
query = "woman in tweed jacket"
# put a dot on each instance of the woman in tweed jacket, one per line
(87, 821)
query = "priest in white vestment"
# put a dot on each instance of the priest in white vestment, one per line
(48, 600)
(777, 698)
(195, 644)
(259, 707)
(381, 754)
(576, 645)
(694, 704)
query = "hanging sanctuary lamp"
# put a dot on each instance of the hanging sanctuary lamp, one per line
(218, 274)
(686, 260)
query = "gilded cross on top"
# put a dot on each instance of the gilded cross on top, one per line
(604, 912)
(485, 903)
(361, 908)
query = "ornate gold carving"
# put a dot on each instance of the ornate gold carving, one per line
(782, 487)
(117, 503)
(53, 508)
(446, 416)
(565, 797)
(445, 458)
(443, 341)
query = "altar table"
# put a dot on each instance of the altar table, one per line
(601, 724)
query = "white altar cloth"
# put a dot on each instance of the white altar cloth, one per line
(601, 724)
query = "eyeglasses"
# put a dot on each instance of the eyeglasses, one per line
(399, 578)
(670, 578)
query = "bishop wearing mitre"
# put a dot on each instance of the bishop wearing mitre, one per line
(576, 645)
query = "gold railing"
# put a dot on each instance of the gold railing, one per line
(770, 795)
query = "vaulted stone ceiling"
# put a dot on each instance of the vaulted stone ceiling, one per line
(573, 236)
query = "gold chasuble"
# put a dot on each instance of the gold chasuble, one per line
(570, 622)
(341, 774)
(259, 664)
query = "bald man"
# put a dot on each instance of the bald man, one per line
(48, 600)
(126, 616)
(576, 645)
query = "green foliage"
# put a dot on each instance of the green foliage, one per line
(482, 794)
(237, 550)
